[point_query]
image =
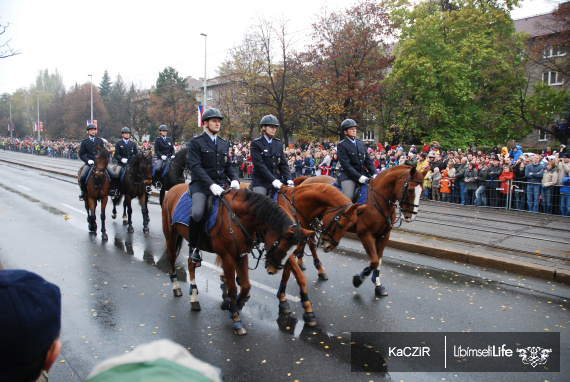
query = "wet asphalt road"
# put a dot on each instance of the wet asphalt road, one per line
(117, 295)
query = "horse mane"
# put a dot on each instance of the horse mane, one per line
(265, 209)
(103, 153)
(139, 159)
(338, 197)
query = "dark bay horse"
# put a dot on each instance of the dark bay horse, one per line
(241, 214)
(98, 186)
(392, 194)
(135, 184)
(175, 173)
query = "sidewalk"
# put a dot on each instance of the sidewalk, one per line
(523, 243)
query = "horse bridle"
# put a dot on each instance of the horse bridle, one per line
(139, 178)
(320, 232)
(98, 172)
(392, 205)
(268, 253)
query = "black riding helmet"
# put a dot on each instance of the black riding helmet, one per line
(125, 130)
(269, 119)
(91, 126)
(211, 113)
(163, 128)
(348, 123)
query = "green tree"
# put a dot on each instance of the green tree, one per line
(117, 106)
(458, 65)
(172, 104)
(106, 85)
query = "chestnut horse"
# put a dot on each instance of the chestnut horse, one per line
(399, 186)
(98, 186)
(136, 183)
(241, 215)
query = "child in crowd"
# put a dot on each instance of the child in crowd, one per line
(445, 188)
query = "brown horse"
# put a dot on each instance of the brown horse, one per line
(325, 210)
(136, 183)
(392, 194)
(241, 214)
(98, 186)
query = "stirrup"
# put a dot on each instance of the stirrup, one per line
(158, 185)
(114, 193)
(81, 196)
(195, 256)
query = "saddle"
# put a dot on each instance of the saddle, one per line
(184, 207)
(360, 193)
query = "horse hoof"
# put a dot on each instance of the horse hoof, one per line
(177, 292)
(380, 291)
(357, 281)
(114, 216)
(125, 222)
(323, 276)
(239, 328)
(310, 319)
(195, 306)
(223, 278)
(146, 230)
(225, 305)
(284, 307)
(130, 229)
(104, 236)
(302, 266)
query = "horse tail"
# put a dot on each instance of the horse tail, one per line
(178, 244)
(218, 261)
(300, 179)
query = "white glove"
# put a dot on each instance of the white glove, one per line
(163, 157)
(124, 160)
(290, 183)
(173, 156)
(234, 184)
(277, 184)
(90, 162)
(362, 179)
(374, 176)
(216, 190)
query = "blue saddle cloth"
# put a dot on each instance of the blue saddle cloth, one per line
(363, 192)
(164, 169)
(183, 208)
(89, 174)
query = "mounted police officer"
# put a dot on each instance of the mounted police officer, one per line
(125, 150)
(357, 167)
(87, 152)
(209, 161)
(163, 149)
(270, 168)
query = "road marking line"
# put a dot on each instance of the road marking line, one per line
(255, 283)
(75, 209)
(25, 188)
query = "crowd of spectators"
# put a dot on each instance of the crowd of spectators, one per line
(501, 178)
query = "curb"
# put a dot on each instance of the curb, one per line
(478, 259)
(463, 256)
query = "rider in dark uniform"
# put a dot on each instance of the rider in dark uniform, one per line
(125, 150)
(270, 167)
(357, 167)
(87, 152)
(209, 161)
(163, 149)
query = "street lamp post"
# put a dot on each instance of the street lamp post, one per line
(204, 101)
(10, 118)
(39, 138)
(91, 97)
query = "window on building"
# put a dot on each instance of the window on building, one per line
(542, 135)
(210, 94)
(552, 78)
(368, 135)
(554, 51)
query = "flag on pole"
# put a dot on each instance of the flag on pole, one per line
(200, 111)
(8, 126)
(35, 126)
(41, 126)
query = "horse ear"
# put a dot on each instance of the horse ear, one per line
(413, 171)
(361, 208)
(351, 208)
(425, 171)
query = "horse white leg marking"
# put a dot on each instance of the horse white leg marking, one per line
(377, 281)
(194, 296)
(175, 285)
(417, 200)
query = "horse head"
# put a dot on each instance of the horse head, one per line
(408, 190)
(141, 167)
(336, 222)
(279, 247)
(101, 162)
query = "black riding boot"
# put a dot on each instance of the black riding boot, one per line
(82, 190)
(194, 234)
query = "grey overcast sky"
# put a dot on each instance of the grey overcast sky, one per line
(138, 39)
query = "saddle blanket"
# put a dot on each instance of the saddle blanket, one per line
(166, 164)
(363, 192)
(183, 208)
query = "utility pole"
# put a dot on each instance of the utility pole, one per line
(204, 101)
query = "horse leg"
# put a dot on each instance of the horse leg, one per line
(129, 209)
(229, 271)
(115, 202)
(317, 263)
(194, 302)
(245, 286)
(161, 196)
(172, 239)
(309, 316)
(370, 247)
(379, 289)
(125, 221)
(284, 307)
(300, 261)
(104, 236)
(91, 218)
(144, 209)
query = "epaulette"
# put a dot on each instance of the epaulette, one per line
(221, 138)
(197, 136)
(341, 142)
(277, 139)
(258, 138)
